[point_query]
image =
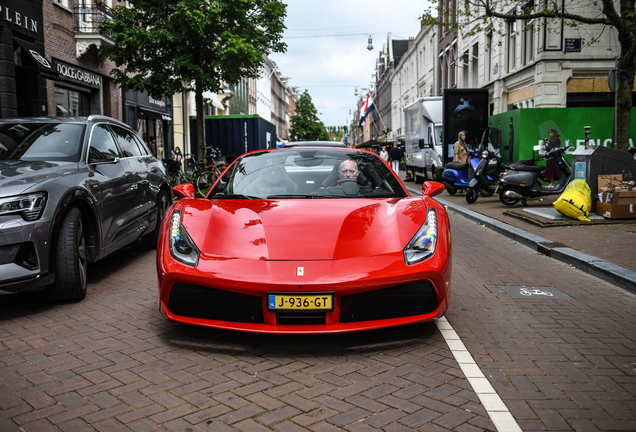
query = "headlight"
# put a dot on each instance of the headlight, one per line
(182, 247)
(484, 154)
(29, 206)
(422, 245)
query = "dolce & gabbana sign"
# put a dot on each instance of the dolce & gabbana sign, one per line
(77, 75)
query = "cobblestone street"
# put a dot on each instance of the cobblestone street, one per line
(111, 362)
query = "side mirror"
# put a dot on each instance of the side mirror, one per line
(432, 188)
(421, 144)
(185, 190)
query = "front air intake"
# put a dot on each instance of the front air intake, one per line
(400, 301)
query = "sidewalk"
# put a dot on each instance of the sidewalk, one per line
(603, 248)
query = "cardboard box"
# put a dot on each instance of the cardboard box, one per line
(615, 211)
(624, 197)
(604, 180)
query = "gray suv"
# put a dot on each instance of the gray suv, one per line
(72, 191)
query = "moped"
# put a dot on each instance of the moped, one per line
(483, 180)
(456, 176)
(521, 182)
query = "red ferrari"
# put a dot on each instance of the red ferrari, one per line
(305, 240)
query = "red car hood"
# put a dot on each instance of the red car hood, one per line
(318, 229)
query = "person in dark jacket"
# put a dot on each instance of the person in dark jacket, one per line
(396, 156)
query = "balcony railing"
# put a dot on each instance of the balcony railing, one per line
(88, 17)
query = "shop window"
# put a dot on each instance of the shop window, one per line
(69, 103)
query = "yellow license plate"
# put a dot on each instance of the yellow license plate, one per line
(298, 302)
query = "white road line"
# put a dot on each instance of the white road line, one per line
(495, 407)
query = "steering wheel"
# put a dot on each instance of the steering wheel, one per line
(347, 185)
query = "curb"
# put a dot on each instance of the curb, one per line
(600, 268)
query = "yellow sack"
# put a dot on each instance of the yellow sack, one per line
(575, 201)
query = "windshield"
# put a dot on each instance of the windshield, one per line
(40, 141)
(308, 173)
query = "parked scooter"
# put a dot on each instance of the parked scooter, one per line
(521, 182)
(455, 176)
(483, 181)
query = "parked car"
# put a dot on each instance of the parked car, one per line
(314, 144)
(72, 191)
(305, 240)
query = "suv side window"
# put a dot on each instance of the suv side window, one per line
(126, 141)
(102, 145)
(142, 146)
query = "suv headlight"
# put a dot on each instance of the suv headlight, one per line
(182, 247)
(29, 206)
(423, 244)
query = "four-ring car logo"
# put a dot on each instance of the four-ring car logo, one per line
(300, 271)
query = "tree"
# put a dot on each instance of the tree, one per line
(476, 16)
(305, 125)
(162, 46)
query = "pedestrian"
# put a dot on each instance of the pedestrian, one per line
(396, 157)
(384, 154)
(552, 170)
(461, 153)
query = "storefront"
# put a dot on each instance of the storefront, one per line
(78, 92)
(152, 118)
(23, 66)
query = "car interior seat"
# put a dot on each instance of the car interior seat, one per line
(275, 179)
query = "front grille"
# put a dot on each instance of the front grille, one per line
(400, 301)
(300, 318)
(214, 304)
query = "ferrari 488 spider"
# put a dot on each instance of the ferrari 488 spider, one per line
(305, 240)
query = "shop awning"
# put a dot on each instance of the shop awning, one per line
(147, 112)
(370, 143)
(44, 67)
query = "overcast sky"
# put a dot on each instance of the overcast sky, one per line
(329, 65)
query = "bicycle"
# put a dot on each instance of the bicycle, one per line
(176, 176)
(210, 173)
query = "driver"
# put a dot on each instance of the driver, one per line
(348, 170)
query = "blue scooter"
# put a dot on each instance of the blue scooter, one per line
(456, 176)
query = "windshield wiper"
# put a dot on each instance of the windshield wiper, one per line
(234, 196)
(291, 195)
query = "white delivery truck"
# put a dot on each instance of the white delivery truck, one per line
(423, 139)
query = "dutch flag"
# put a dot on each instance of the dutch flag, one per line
(367, 107)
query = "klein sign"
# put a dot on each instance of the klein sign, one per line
(18, 19)
(77, 75)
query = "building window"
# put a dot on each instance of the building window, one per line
(62, 2)
(512, 44)
(528, 43)
(488, 72)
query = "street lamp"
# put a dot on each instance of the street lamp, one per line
(370, 46)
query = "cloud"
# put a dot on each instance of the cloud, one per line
(327, 47)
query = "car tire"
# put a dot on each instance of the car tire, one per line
(71, 260)
(163, 202)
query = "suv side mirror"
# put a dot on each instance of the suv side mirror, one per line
(421, 144)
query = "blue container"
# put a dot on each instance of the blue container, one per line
(234, 134)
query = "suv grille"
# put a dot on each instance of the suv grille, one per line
(214, 304)
(400, 301)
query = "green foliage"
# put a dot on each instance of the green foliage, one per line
(162, 45)
(305, 125)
